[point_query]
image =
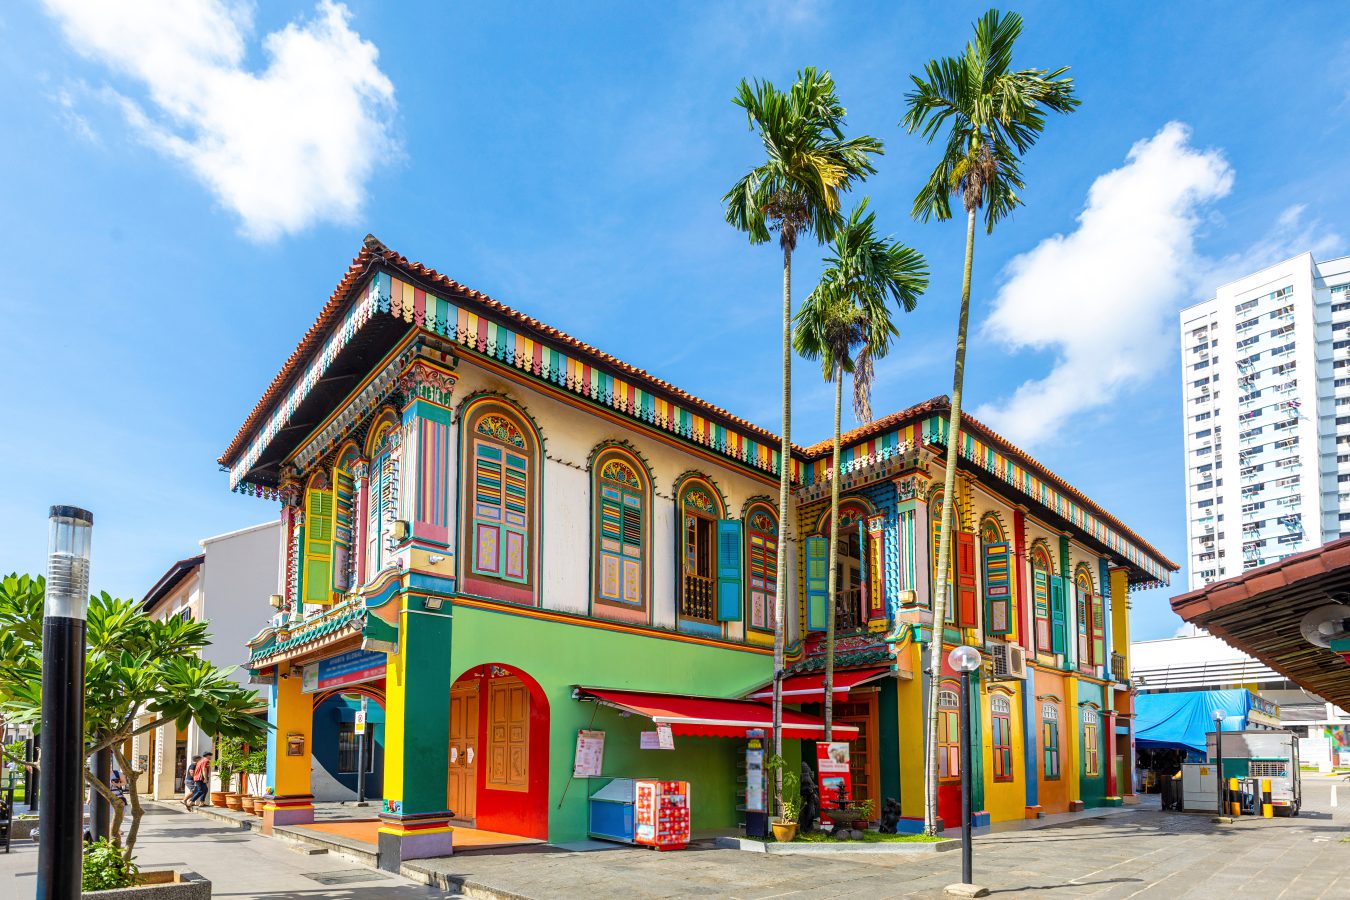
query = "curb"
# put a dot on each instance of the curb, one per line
(811, 849)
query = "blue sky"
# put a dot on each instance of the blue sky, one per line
(181, 194)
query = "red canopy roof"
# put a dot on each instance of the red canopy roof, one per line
(711, 716)
(809, 687)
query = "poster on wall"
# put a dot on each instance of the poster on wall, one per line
(832, 765)
(351, 667)
(755, 800)
(590, 756)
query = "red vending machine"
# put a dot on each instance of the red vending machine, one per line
(662, 815)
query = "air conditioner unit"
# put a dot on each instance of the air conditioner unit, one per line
(1010, 661)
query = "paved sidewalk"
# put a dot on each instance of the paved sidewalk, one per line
(241, 865)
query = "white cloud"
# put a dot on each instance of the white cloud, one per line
(1104, 296)
(284, 147)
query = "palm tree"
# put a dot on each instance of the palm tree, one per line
(808, 164)
(992, 114)
(847, 314)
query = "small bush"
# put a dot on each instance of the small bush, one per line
(105, 869)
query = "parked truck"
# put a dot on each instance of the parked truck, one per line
(1261, 754)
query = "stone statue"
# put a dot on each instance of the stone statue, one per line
(806, 819)
(890, 815)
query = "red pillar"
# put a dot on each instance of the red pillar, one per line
(1108, 749)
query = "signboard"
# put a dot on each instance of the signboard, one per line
(755, 800)
(360, 722)
(351, 667)
(590, 756)
(660, 739)
(832, 764)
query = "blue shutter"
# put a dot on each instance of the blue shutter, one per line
(729, 570)
(1059, 629)
(817, 584)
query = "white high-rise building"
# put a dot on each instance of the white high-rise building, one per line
(1266, 394)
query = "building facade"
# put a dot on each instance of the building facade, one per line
(227, 585)
(1266, 395)
(503, 538)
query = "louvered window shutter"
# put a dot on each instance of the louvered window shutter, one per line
(343, 527)
(319, 546)
(729, 570)
(817, 583)
(997, 589)
(1098, 632)
(965, 578)
(1059, 630)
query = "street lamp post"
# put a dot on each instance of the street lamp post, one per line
(61, 807)
(1220, 782)
(966, 660)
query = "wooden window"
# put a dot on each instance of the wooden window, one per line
(1091, 630)
(960, 566)
(1050, 740)
(700, 511)
(621, 533)
(501, 501)
(1000, 718)
(864, 767)
(1091, 751)
(761, 535)
(381, 499)
(949, 735)
(1040, 595)
(344, 526)
(318, 572)
(999, 613)
(508, 735)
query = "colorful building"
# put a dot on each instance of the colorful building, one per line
(498, 537)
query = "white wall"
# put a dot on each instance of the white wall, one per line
(239, 577)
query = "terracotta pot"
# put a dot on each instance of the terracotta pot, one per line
(246, 802)
(234, 802)
(784, 832)
(217, 798)
(258, 803)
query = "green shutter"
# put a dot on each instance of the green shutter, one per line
(997, 589)
(817, 584)
(319, 547)
(729, 570)
(1059, 630)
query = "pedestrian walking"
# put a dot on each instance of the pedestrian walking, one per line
(190, 783)
(202, 773)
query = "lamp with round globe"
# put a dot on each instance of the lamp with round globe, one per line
(965, 659)
(1219, 782)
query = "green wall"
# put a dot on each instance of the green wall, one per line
(559, 655)
(1093, 789)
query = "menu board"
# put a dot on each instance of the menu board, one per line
(590, 756)
(754, 773)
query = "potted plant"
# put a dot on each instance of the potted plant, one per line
(255, 764)
(230, 754)
(785, 826)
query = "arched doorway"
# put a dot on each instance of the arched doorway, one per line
(498, 755)
(338, 750)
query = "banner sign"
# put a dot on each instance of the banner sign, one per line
(346, 668)
(755, 794)
(832, 764)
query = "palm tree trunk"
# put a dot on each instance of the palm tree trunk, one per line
(832, 573)
(944, 556)
(780, 583)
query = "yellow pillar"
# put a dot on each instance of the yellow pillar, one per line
(909, 698)
(291, 712)
(1073, 767)
(1120, 615)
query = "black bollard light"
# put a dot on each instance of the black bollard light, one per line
(1220, 783)
(61, 807)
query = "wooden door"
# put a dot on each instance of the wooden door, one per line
(462, 790)
(508, 735)
(860, 710)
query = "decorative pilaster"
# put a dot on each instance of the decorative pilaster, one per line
(1108, 747)
(361, 511)
(290, 712)
(427, 387)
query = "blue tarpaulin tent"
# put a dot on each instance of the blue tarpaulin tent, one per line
(1180, 721)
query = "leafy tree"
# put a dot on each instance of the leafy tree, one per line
(989, 115)
(846, 324)
(795, 191)
(135, 667)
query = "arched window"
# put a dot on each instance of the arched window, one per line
(1091, 628)
(960, 565)
(949, 735)
(850, 612)
(996, 555)
(1000, 721)
(761, 551)
(345, 513)
(501, 501)
(1050, 740)
(1042, 570)
(621, 493)
(1091, 750)
(382, 448)
(700, 511)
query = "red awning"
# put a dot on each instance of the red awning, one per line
(711, 716)
(810, 687)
